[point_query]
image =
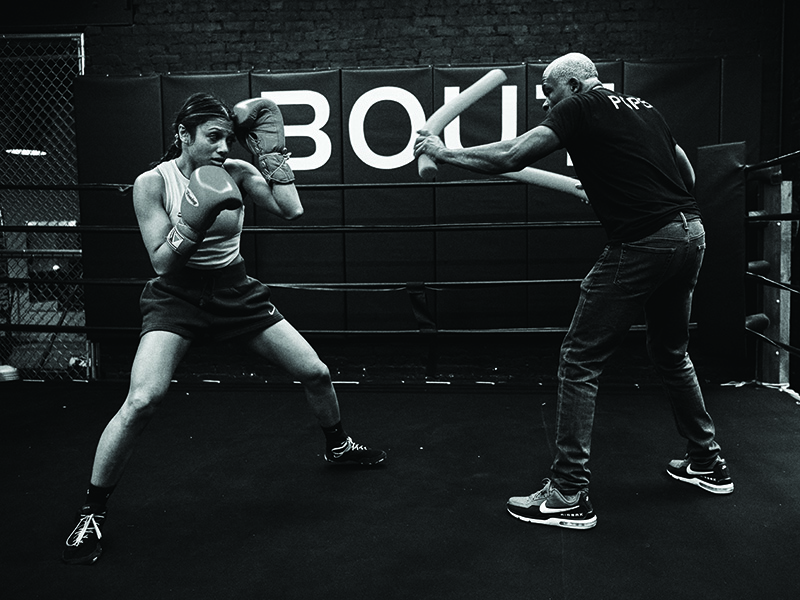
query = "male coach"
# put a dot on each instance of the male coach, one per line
(638, 181)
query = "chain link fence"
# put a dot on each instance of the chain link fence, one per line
(39, 256)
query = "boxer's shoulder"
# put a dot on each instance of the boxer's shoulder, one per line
(149, 185)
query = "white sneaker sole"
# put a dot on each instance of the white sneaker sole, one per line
(557, 522)
(709, 487)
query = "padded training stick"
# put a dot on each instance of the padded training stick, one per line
(551, 180)
(450, 110)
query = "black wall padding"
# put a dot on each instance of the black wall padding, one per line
(481, 255)
(124, 124)
(719, 302)
(387, 257)
(741, 104)
(326, 83)
(292, 258)
(687, 93)
(296, 257)
(118, 129)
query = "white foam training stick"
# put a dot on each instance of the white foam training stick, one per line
(450, 110)
(551, 180)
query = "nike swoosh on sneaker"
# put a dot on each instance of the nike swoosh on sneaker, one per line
(543, 508)
(691, 471)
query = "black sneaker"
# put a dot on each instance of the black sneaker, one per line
(83, 544)
(549, 506)
(716, 480)
(350, 453)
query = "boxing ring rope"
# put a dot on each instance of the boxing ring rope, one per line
(414, 289)
(772, 326)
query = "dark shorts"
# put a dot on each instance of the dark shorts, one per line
(218, 304)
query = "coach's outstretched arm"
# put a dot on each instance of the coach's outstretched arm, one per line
(495, 158)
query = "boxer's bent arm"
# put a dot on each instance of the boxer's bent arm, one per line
(263, 194)
(154, 223)
(504, 156)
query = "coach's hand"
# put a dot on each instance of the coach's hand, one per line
(427, 143)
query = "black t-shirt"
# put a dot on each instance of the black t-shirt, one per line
(624, 155)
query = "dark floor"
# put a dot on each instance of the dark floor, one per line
(228, 497)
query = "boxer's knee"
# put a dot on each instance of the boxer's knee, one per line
(316, 375)
(141, 404)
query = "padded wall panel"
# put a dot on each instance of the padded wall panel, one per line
(481, 255)
(118, 127)
(382, 110)
(387, 257)
(686, 93)
(107, 112)
(741, 104)
(311, 106)
(112, 255)
(561, 253)
(311, 257)
(719, 301)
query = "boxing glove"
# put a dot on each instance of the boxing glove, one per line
(258, 125)
(210, 191)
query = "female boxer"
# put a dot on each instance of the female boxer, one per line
(190, 213)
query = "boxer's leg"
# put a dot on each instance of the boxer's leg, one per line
(158, 356)
(283, 345)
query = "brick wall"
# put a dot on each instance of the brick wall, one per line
(241, 35)
(174, 36)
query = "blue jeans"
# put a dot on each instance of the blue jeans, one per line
(656, 274)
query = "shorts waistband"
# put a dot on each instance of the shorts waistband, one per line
(226, 276)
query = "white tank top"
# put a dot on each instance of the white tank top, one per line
(221, 244)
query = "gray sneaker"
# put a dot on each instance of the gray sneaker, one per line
(549, 506)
